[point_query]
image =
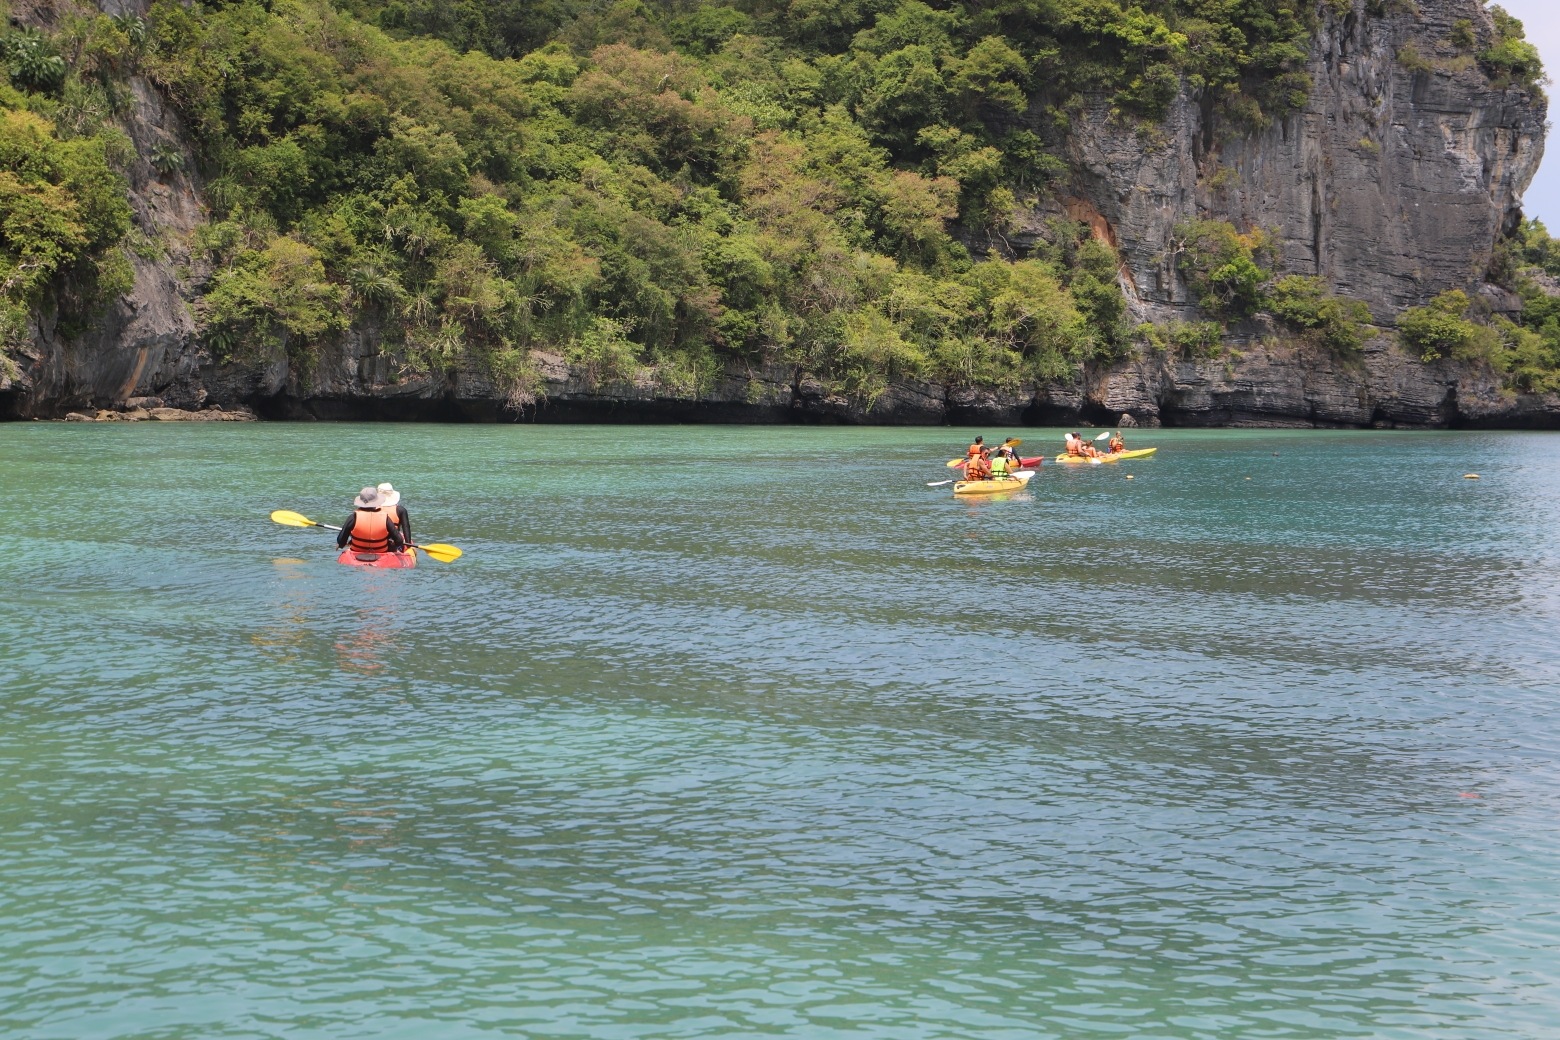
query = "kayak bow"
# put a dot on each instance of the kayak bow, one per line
(391, 561)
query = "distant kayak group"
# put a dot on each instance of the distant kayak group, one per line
(990, 470)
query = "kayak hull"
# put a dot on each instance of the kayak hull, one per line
(992, 487)
(388, 561)
(1080, 460)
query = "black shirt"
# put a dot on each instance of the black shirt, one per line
(397, 543)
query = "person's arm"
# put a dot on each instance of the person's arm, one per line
(346, 531)
(404, 522)
(397, 543)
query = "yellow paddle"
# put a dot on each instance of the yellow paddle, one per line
(1011, 442)
(442, 553)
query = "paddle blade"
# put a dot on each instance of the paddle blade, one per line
(1103, 436)
(442, 553)
(1013, 442)
(291, 519)
(956, 462)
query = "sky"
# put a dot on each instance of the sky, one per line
(1541, 20)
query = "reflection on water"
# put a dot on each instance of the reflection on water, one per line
(365, 646)
(823, 752)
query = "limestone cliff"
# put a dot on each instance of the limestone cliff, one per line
(1393, 184)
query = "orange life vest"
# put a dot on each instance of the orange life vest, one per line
(1117, 445)
(370, 531)
(975, 449)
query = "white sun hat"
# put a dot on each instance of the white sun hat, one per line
(391, 495)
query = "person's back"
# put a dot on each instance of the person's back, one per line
(999, 468)
(979, 468)
(977, 449)
(370, 529)
(1074, 444)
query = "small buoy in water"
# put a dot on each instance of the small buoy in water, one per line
(1129, 476)
(1470, 476)
(1465, 794)
(1248, 478)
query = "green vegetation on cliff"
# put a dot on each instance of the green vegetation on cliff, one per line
(651, 185)
(659, 184)
(62, 215)
(1232, 275)
(652, 188)
(1527, 350)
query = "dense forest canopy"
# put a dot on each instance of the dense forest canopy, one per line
(651, 185)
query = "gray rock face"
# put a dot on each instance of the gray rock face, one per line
(1392, 185)
(1302, 387)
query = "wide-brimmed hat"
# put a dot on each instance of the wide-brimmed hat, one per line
(369, 498)
(391, 495)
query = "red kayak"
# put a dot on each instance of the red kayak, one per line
(391, 560)
(1029, 463)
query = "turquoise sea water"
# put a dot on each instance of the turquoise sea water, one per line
(724, 732)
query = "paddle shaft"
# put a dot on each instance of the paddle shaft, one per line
(331, 527)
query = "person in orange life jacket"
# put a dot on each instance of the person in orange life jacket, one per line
(1117, 444)
(1076, 445)
(397, 511)
(978, 448)
(979, 468)
(370, 529)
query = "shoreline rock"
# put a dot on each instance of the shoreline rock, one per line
(242, 413)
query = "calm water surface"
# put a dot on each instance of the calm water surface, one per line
(723, 732)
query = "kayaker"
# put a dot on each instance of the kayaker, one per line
(370, 528)
(979, 468)
(396, 510)
(1082, 448)
(977, 450)
(1075, 444)
(999, 467)
(1117, 444)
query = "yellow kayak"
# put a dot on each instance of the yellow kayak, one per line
(992, 487)
(1077, 460)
